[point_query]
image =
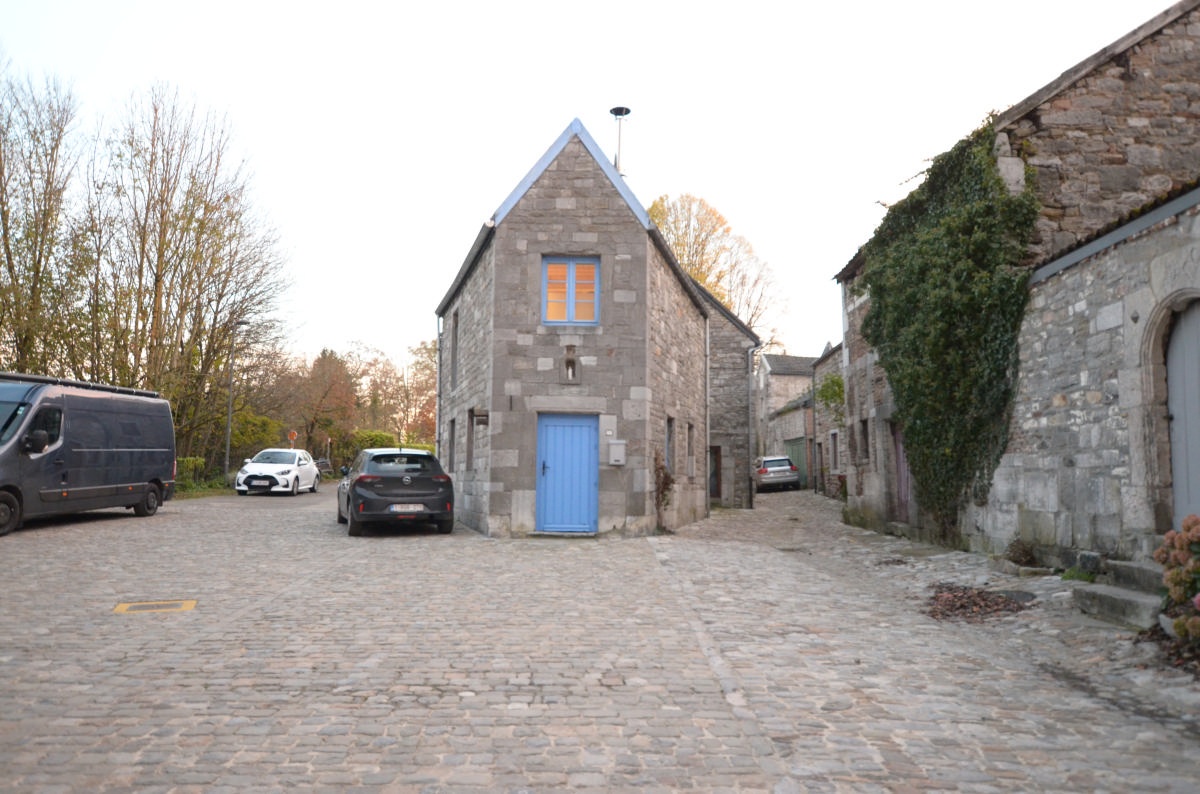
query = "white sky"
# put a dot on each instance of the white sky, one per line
(381, 135)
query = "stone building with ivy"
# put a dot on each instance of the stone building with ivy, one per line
(1072, 425)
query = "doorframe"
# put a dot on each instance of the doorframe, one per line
(1156, 438)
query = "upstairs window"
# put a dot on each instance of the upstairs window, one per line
(570, 293)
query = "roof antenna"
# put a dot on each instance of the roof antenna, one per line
(619, 113)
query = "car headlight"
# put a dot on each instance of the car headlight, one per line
(284, 472)
(242, 472)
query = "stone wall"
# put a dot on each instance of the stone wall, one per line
(1087, 466)
(465, 383)
(868, 404)
(1083, 469)
(1120, 136)
(829, 428)
(730, 409)
(678, 382)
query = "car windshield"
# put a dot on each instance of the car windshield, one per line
(275, 456)
(775, 463)
(10, 418)
(402, 464)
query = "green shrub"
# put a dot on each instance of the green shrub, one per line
(1075, 573)
(189, 472)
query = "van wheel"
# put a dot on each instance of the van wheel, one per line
(10, 513)
(149, 504)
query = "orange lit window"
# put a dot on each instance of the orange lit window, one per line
(570, 291)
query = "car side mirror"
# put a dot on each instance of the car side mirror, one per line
(345, 470)
(244, 462)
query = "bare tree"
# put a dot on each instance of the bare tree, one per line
(724, 263)
(176, 260)
(36, 162)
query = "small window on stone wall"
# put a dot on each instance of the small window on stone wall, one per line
(864, 442)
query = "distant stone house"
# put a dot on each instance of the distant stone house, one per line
(780, 380)
(1104, 439)
(574, 352)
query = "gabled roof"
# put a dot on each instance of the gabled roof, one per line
(574, 130)
(1092, 62)
(788, 365)
(727, 314)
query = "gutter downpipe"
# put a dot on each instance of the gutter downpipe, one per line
(752, 426)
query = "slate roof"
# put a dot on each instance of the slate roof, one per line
(789, 365)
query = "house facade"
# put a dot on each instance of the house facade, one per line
(829, 426)
(781, 381)
(1104, 440)
(731, 406)
(576, 360)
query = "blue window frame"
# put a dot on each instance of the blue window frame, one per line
(570, 291)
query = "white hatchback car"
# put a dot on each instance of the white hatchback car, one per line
(287, 471)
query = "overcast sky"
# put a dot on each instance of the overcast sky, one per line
(381, 136)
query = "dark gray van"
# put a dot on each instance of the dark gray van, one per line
(67, 446)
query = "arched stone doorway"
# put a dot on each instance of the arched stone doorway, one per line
(1183, 411)
(1171, 356)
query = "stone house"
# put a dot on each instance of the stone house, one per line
(779, 379)
(790, 432)
(731, 405)
(828, 428)
(579, 365)
(1104, 438)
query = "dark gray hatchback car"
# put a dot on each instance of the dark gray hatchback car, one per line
(393, 485)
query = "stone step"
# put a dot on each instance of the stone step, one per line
(1143, 576)
(1119, 605)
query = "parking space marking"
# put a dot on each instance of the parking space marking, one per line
(154, 606)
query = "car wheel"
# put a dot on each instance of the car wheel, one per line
(10, 513)
(149, 504)
(295, 486)
(316, 484)
(243, 493)
(446, 527)
(354, 527)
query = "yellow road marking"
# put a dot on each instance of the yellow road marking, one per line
(155, 606)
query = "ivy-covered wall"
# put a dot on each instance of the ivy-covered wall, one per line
(946, 296)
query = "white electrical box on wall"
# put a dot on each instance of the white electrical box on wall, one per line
(616, 452)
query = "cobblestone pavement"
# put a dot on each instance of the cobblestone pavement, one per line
(773, 650)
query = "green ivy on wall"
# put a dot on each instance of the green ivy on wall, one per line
(831, 396)
(947, 296)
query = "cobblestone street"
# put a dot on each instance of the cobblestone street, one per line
(773, 650)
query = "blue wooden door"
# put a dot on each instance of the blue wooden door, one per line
(1183, 405)
(568, 477)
